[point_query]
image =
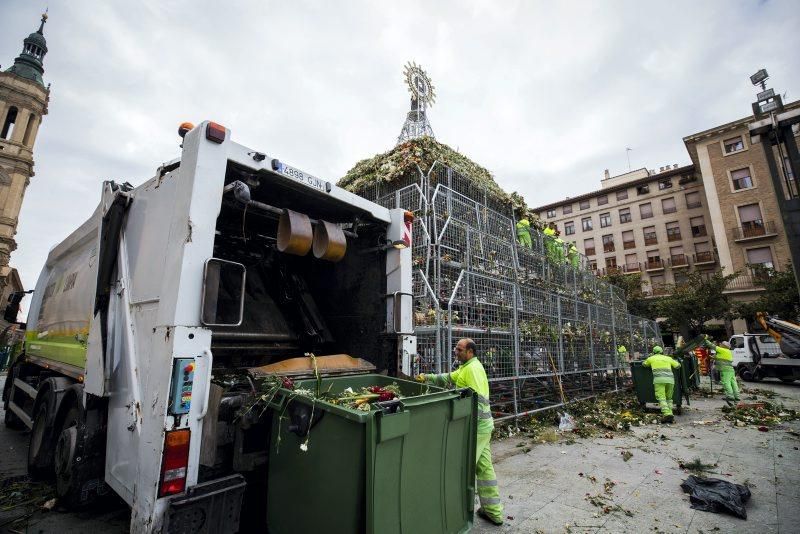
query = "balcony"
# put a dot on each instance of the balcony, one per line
(650, 239)
(691, 205)
(634, 267)
(705, 258)
(608, 247)
(679, 261)
(660, 291)
(612, 270)
(589, 252)
(745, 282)
(755, 230)
(654, 265)
(687, 180)
(628, 244)
(673, 234)
(699, 231)
(668, 210)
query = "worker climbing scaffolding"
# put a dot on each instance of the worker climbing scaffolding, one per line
(523, 227)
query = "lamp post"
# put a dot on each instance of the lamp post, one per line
(772, 127)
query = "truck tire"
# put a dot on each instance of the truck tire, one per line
(68, 485)
(746, 374)
(41, 448)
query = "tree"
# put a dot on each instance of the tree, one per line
(631, 283)
(779, 298)
(692, 303)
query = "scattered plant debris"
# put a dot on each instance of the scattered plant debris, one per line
(626, 455)
(696, 466)
(762, 414)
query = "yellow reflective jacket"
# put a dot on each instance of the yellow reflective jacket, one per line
(662, 366)
(471, 375)
(723, 357)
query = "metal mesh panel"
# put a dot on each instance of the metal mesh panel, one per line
(541, 324)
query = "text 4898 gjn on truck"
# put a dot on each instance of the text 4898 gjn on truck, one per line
(225, 259)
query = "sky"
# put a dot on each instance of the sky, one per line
(546, 95)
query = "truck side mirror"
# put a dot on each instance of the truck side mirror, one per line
(12, 309)
(223, 293)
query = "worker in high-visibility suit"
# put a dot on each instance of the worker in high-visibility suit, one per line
(471, 374)
(524, 233)
(723, 360)
(622, 354)
(550, 242)
(573, 256)
(663, 380)
(559, 250)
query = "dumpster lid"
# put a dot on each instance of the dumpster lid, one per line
(303, 366)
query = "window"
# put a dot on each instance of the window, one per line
(645, 211)
(752, 223)
(741, 179)
(737, 343)
(586, 223)
(664, 184)
(734, 144)
(642, 189)
(676, 256)
(650, 237)
(698, 225)
(681, 278)
(668, 205)
(631, 262)
(588, 246)
(760, 256)
(628, 240)
(593, 265)
(602, 200)
(8, 124)
(673, 231)
(26, 140)
(569, 228)
(584, 204)
(622, 195)
(657, 284)
(703, 252)
(567, 209)
(605, 220)
(625, 215)
(611, 263)
(608, 243)
(693, 199)
(653, 255)
(551, 214)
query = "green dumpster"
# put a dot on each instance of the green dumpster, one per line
(643, 385)
(691, 370)
(406, 466)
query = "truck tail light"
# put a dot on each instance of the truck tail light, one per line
(408, 219)
(215, 132)
(175, 464)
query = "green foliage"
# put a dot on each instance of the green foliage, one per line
(403, 159)
(632, 285)
(700, 299)
(779, 298)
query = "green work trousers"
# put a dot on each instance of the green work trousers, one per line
(488, 493)
(524, 239)
(664, 397)
(728, 378)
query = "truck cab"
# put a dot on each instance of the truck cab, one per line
(757, 356)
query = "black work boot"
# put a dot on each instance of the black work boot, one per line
(486, 517)
(667, 419)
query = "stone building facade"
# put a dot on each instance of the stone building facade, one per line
(23, 103)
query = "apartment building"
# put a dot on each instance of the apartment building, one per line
(743, 204)
(656, 223)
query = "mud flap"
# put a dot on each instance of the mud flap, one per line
(210, 507)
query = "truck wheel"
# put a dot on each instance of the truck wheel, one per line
(68, 485)
(745, 374)
(41, 447)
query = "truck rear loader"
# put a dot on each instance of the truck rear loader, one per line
(227, 259)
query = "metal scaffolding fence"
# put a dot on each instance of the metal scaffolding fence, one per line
(546, 328)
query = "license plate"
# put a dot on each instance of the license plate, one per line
(303, 178)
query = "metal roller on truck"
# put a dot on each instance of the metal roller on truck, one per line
(230, 263)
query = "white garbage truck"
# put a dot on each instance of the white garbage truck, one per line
(226, 259)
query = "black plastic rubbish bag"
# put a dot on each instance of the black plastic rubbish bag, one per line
(715, 495)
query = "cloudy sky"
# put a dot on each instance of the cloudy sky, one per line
(544, 94)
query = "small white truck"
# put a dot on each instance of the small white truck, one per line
(205, 268)
(759, 356)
